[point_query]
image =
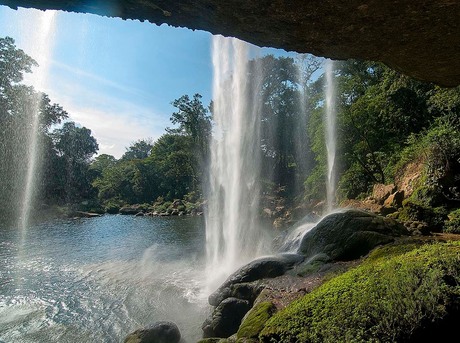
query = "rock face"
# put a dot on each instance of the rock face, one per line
(349, 234)
(236, 295)
(420, 38)
(226, 318)
(265, 267)
(160, 332)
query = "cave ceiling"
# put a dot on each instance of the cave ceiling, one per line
(419, 38)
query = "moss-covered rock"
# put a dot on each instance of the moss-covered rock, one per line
(213, 340)
(255, 320)
(349, 234)
(399, 294)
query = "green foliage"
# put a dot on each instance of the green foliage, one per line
(13, 63)
(18, 106)
(193, 120)
(452, 225)
(386, 299)
(138, 150)
(385, 120)
(74, 147)
(169, 168)
(284, 143)
(413, 211)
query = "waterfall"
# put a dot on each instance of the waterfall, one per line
(330, 134)
(39, 45)
(233, 236)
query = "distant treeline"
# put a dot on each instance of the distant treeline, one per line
(384, 120)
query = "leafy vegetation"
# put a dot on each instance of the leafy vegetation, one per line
(386, 121)
(395, 294)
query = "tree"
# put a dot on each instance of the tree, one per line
(19, 106)
(74, 146)
(102, 162)
(174, 160)
(13, 64)
(194, 121)
(284, 141)
(138, 150)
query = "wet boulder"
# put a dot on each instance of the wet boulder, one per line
(349, 234)
(226, 318)
(261, 268)
(159, 332)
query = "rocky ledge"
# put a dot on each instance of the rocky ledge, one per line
(268, 284)
(420, 38)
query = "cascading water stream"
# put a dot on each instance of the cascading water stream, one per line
(232, 234)
(331, 143)
(39, 45)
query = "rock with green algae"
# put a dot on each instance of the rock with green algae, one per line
(404, 293)
(255, 320)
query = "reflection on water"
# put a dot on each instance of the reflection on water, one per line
(89, 280)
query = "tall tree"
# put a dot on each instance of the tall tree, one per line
(74, 146)
(138, 150)
(193, 120)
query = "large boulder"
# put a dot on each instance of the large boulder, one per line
(159, 332)
(381, 192)
(349, 234)
(265, 267)
(226, 318)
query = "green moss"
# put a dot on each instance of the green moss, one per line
(395, 292)
(255, 320)
(413, 211)
(452, 225)
(213, 340)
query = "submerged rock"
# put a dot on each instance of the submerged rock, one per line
(159, 332)
(349, 234)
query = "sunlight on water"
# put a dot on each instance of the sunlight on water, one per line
(233, 235)
(39, 45)
(96, 280)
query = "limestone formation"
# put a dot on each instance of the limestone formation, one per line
(420, 38)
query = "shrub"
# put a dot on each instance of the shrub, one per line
(452, 225)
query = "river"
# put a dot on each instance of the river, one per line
(96, 280)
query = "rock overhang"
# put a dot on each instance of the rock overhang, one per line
(419, 38)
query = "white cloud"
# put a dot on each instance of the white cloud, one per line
(115, 121)
(115, 131)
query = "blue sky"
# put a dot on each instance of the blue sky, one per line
(115, 77)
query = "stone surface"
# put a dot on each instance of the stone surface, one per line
(395, 199)
(381, 192)
(226, 318)
(420, 38)
(265, 267)
(349, 234)
(159, 332)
